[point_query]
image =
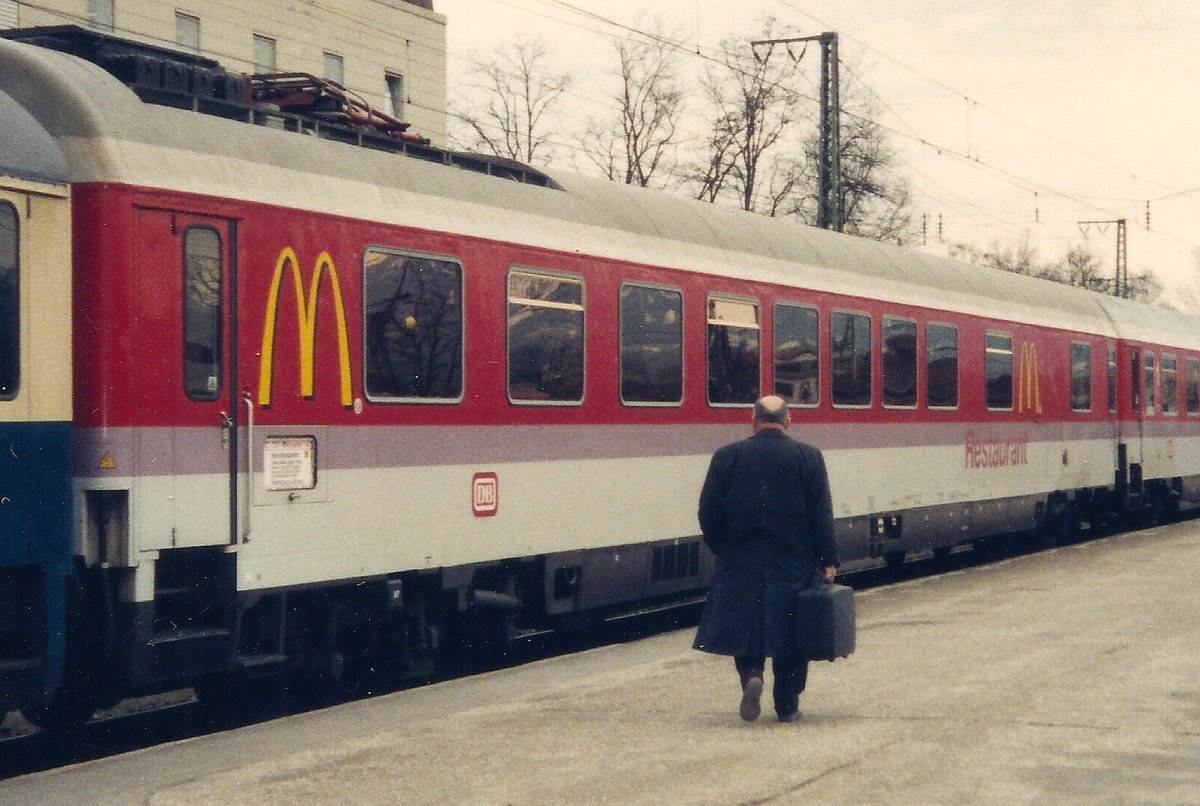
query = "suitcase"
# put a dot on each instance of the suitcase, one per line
(825, 622)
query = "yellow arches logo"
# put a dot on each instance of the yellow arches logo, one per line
(1029, 393)
(306, 314)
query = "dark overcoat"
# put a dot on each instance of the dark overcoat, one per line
(765, 512)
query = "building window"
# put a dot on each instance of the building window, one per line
(998, 367)
(1192, 391)
(941, 366)
(1149, 382)
(395, 94)
(202, 321)
(264, 54)
(1081, 376)
(733, 351)
(187, 31)
(10, 303)
(797, 355)
(850, 359)
(899, 362)
(1170, 385)
(100, 14)
(8, 13)
(335, 68)
(545, 338)
(414, 327)
(651, 345)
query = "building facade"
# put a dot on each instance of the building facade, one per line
(390, 52)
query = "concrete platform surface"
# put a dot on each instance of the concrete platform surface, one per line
(1068, 676)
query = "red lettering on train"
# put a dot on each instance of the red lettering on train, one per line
(985, 450)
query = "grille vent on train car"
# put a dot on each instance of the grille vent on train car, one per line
(676, 561)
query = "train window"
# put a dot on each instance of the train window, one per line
(899, 360)
(1192, 385)
(1081, 376)
(202, 318)
(1170, 384)
(10, 303)
(797, 355)
(651, 345)
(998, 368)
(1149, 382)
(733, 351)
(850, 358)
(1112, 378)
(545, 338)
(413, 322)
(1135, 377)
(941, 366)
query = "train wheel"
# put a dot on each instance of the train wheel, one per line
(1060, 525)
(353, 655)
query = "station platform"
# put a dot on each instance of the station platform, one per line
(1067, 676)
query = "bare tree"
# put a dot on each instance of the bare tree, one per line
(752, 108)
(640, 148)
(1081, 267)
(876, 200)
(518, 94)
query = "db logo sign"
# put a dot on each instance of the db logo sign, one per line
(485, 494)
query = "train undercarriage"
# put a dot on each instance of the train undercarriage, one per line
(345, 639)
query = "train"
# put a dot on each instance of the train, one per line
(284, 393)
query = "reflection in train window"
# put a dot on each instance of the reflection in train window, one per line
(413, 321)
(733, 331)
(1170, 385)
(850, 359)
(651, 345)
(1081, 376)
(1192, 391)
(998, 365)
(797, 356)
(941, 366)
(899, 362)
(545, 338)
(10, 308)
(202, 320)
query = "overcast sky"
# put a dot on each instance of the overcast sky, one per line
(1068, 110)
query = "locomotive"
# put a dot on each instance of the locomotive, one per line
(286, 390)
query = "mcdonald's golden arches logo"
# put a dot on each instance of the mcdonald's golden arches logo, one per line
(1029, 393)
(306, 314)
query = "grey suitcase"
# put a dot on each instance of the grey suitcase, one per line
(825, 622)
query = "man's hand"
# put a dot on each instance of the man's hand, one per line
(830, 573)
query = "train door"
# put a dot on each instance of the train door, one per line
(187, 332)
(1130, 445)
(35, 432)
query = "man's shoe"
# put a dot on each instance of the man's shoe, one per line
(794, 716)
(750, 699)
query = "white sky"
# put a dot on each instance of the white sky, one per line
(1095, 106)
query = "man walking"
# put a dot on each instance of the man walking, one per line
(766, 513)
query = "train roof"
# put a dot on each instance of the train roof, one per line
(95, 129)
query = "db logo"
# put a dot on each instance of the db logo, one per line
(485, 494)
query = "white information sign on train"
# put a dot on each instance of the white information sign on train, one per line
(289, 463)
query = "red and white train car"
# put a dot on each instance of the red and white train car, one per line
(336, 406)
